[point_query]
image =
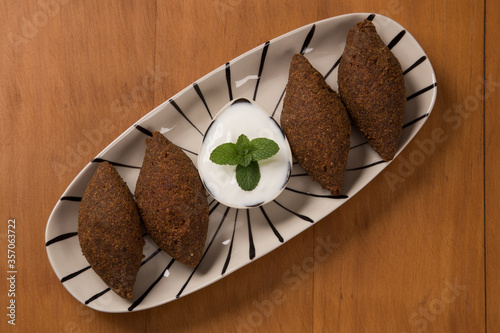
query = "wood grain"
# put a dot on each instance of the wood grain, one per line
(421, 255)
(492, 163)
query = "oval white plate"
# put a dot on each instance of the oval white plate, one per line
(235, 236)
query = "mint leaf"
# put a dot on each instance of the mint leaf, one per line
(243, 144)
(225, 154)
(262, 148)
(248, 177)
(244, 159)
(243, 147)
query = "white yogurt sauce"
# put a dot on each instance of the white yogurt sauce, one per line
(220, 180)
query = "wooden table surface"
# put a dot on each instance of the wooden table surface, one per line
(419, 254)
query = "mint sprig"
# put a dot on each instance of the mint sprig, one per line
(245, 154)
(248, 177)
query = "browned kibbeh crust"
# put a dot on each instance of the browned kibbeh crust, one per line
(109, 230)
(372, 86)
(172, 201)
(316, 124)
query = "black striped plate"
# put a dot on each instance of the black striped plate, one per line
(235, 237)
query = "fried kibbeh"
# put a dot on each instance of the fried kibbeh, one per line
(316, 124)
(372, 86)
(109, 230)
(172, 201)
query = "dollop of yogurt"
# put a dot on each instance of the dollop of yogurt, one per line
(243, 116)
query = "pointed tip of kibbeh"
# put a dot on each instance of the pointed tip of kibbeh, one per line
(372, 86)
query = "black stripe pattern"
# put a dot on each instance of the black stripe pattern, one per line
(228, 81)
(200, 95)
(61, 238)
(143, 130)
(116, 164)
(421, 91)
(174, 104)
(261, 68)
